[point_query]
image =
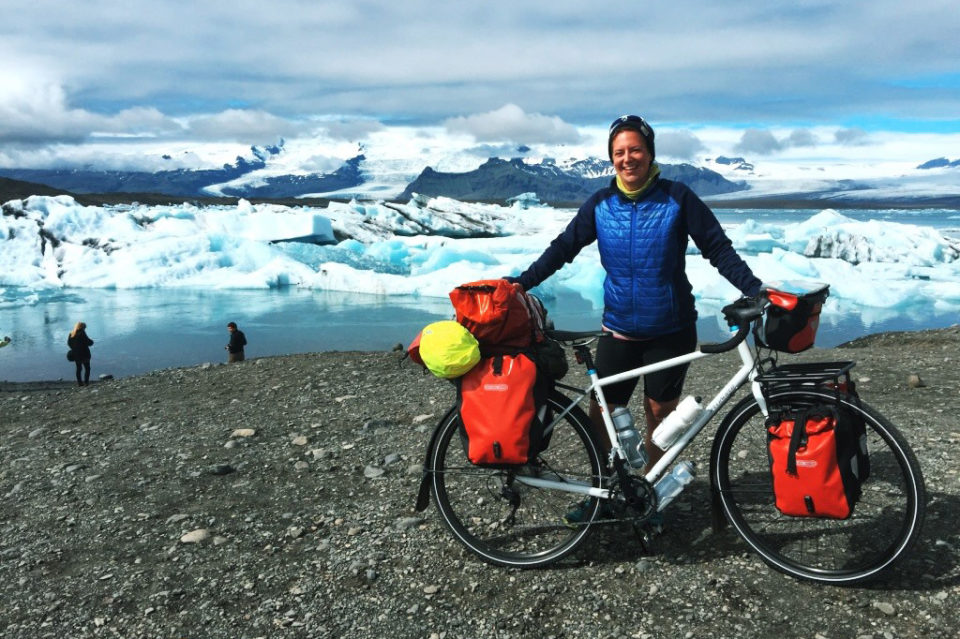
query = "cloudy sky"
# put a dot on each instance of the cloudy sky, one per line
(88, 81)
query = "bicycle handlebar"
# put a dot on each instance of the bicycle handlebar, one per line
(573, 336)
(730, 344)
(740, 314)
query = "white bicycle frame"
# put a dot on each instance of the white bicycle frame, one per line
(747, 371)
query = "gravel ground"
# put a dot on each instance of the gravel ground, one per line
(274, 498)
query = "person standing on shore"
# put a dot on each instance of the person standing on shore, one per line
(235, 346)
(80, 345)
(642, 224)
(4, 341)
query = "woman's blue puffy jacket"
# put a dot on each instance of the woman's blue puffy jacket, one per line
(643, 247)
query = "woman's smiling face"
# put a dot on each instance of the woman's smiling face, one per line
(631, 158)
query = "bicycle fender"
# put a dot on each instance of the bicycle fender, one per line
(423, 494)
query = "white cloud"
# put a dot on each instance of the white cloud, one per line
(852, 137)
(682, 145)
(801, 138)
(759, 142)
(250, 126)
(511, 123)
(352, 130)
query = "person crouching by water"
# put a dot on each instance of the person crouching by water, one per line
(237, 341)
(80, 345)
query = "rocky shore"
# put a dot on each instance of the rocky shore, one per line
(274, 498)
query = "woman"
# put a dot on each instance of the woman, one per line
(641, 224)
(80, 345)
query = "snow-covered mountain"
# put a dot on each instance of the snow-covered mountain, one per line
(272, 172)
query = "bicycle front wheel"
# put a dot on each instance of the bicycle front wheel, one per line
(504, 519)
(883, 527)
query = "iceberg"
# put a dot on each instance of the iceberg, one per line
(427, 246)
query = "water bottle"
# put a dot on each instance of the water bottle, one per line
(671, 485)
(628, 437)
(676, 422)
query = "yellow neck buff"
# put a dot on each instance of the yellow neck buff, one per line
(635, 195)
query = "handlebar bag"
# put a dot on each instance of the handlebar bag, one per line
(502, 407)
(499, 313)
(813, 463)
(791, 321)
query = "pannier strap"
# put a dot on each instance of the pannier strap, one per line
(798, 437)
(483, 288)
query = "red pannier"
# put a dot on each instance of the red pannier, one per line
(814, 463)
(790, 322)
(500, 403)
(499, 314)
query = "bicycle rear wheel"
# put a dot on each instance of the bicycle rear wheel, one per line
(883, 527)
(498, 516)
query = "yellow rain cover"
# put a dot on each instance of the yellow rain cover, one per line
(448, 349)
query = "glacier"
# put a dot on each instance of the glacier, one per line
(425, 247)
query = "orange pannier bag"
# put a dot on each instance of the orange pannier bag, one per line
(814, 463)
(502, 405)
(498, 313)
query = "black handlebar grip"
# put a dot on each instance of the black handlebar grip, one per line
(730, 344)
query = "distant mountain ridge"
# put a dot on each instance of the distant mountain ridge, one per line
(556, 182)
(179, 182)
(497, 180)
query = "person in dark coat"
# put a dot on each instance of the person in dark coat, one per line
(235, 346)
(80, 345)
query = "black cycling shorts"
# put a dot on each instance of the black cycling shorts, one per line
(618, 355)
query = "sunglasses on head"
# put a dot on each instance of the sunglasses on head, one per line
(645, 128)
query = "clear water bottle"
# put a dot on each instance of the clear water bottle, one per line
(677, 422)
(671, 485)
(628, 437)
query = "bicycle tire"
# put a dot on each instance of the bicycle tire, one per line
(499, 518)
(885, 523)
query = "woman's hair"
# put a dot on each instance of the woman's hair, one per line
(76, 329)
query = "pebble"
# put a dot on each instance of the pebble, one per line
(884, 607)
(431, 589)
(195, 536)
(409, 522)
(914, 381)
(243, 432)
(392, 458)
(372, 472)
(299, 440)
(221, 469)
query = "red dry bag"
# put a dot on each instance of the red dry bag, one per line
(499, 402)
(813, 461)
(498, 313)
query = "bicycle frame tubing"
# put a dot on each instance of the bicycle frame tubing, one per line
(746, 371)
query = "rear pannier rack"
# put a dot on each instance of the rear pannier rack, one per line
(815, 373)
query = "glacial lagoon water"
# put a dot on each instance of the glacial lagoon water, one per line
(140, 330)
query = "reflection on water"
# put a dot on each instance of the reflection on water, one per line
(146, 329)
